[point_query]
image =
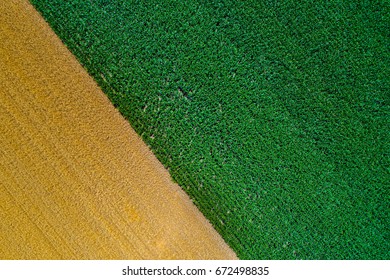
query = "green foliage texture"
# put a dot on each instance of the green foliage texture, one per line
(272, 115)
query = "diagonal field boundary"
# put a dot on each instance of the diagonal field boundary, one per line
(76, 181)
(272, 115)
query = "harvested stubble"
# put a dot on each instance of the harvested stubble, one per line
(76, 182)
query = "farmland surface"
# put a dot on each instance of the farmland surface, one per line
(272, 115)
(76, 181)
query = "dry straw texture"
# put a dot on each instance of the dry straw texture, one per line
(76, 180)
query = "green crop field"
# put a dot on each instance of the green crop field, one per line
(272, 115)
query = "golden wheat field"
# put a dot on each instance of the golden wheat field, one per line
(76, 182)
